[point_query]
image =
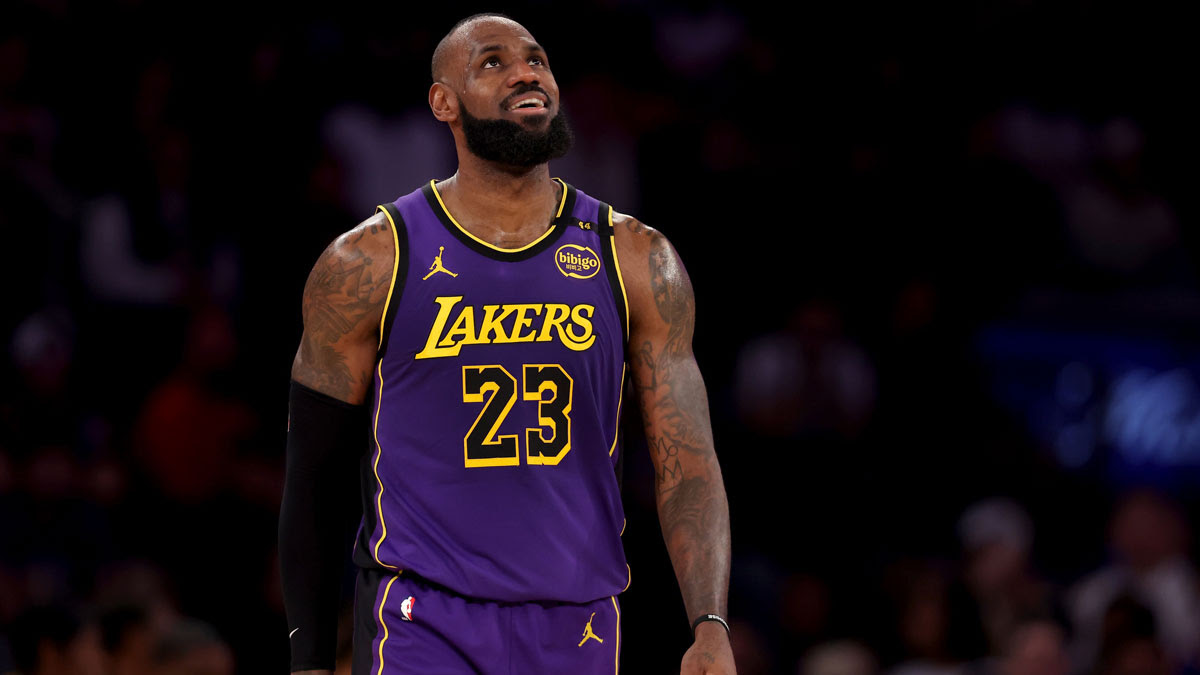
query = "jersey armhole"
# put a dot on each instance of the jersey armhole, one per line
(399, 272)
(612, 265)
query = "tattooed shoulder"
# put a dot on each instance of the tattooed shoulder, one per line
(659, 283)
(631, 224)
(342, 306)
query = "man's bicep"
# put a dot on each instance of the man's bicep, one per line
(669, 386)
(342, 308)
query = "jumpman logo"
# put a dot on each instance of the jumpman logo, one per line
(437, 265)
(587, 632)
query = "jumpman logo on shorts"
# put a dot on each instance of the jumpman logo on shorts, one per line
(437, 265)
(587, 632)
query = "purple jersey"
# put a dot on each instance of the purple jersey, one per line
(496, 399)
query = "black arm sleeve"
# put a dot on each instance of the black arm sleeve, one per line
(317, 518)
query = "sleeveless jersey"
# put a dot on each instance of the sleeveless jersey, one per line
(497, 391)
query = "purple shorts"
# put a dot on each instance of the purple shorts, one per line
(404, 624)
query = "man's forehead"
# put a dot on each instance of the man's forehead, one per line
(485, 33)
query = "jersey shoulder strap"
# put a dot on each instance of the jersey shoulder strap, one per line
(399, 272)
(612, 264)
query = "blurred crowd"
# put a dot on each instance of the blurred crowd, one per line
(858, 194)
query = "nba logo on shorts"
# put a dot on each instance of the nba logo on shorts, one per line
(406, 608)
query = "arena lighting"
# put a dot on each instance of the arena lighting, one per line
(1126, 407)
(1154, 417)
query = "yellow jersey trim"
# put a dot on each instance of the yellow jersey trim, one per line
(379, 370)
(617, 424)
(628, 576)
(375, 468)
(620, 279)
(562, 202)
(395, 270)
(617, 656)
(386, 590)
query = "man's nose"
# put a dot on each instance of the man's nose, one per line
(522, 72)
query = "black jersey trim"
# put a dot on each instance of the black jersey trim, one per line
(399, 273)
(608, 247)
(562, 219)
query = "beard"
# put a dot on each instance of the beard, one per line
(506, 142)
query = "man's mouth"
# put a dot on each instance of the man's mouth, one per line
(528, 102)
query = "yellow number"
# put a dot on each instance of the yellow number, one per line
(496, 388)
(481, 446)
(554, 412)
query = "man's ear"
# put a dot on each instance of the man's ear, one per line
(443, 102)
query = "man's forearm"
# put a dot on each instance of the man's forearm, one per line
(690, 494)
(694, 515)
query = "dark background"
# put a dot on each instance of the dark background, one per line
(941, 254)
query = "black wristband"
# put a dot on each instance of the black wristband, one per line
(710, 617)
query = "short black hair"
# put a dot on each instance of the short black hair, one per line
(439, 52)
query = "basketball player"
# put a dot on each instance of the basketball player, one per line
(479, 329)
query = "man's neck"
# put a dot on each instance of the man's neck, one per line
(508, 209)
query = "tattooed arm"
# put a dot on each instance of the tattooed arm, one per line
(690, 494)
(327, 432)
(343, 306)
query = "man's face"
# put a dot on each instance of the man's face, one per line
(509, 103)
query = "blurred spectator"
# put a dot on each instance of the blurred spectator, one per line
(192, 647)
(40, 408)
(997, 536)
(694, 39)
(59, 538)
(55, 640)
(190, 429)
(1129, 644)
(1119, 224)
(386, 157)
(604, 152)
(838, 658)
(808, 378)
(1148, 537)
(750, 649)
(127, 637)
(1035, 646)
(804, 606)
(112, 265)
(140, 585)
(937, 625)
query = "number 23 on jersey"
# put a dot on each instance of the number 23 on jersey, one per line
(496, 388)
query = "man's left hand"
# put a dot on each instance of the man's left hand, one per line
(710, 654)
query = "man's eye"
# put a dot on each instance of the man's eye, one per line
(490, 60)
(537, 61)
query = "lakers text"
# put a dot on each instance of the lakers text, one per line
(500, 324)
